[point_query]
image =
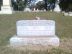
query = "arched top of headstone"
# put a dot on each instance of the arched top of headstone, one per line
(35, 23)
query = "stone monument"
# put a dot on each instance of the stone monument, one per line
(35, 32)
(57, 8)
(67, 13)
(6, 7)
(27, 9)
(70, 13)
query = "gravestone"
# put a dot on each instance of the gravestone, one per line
(67, 13)
(27, 9)
(6, 7)
(57, 8)
(35, 32)
(35, 28)
(6, 2)
(70, 13)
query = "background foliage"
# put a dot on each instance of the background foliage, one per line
(19, 5)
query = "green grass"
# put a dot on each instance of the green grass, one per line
(63, 31)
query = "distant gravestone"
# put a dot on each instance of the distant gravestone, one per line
(67, 13)
(27, 10)
(35, 32)
(70, 13)
(57, 8)
(6, 7)
(6, 2)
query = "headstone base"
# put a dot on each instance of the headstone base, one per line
(33, 40)
(6, 10)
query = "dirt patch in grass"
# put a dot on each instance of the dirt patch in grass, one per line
(66, 44)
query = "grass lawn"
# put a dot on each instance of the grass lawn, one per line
(63, 31)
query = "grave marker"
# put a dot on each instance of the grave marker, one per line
(35, 32)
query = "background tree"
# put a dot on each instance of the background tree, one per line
(19, 4)
(49, 4)
(63, 4)
(66, 5)
(40, 5)
(0, 4)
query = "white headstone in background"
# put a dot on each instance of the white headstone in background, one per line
(35, 27)
(6, 7)
(70, 13)
(6, 2)
(67, 13)
(57, 7)
(27, 10)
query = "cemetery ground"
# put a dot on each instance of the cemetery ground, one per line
(63, 31)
